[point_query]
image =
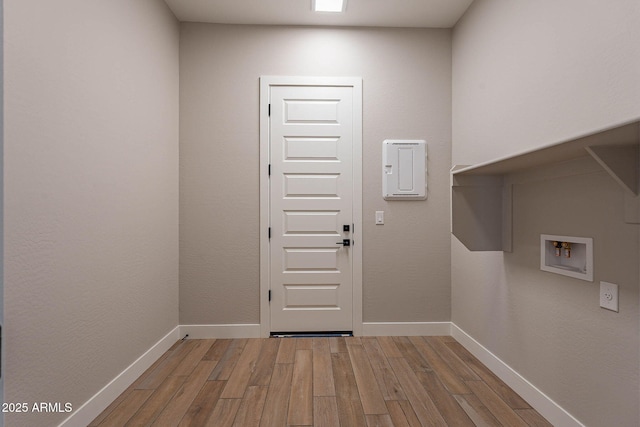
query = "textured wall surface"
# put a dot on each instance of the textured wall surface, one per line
(91, 194)
(526, 74)
(531, 73)
(407, 95)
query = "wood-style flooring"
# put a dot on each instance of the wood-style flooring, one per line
(349, 382)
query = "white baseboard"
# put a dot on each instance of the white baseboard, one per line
(549, 409)
(220, 331)
(406, 328)
(95, 405)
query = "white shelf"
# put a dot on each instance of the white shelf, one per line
(481, 194)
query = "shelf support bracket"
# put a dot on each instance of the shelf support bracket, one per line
(622, 163)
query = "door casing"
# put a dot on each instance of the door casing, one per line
(266, 82)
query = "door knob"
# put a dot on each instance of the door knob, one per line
(345, 242)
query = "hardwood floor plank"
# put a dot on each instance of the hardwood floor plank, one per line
(301, 397)
(239, 379)
(344, 380)
(498, 407)
(389, 347)
(352, 341)
(224, 413)
(264, 366)
(350, 412)
(478, 413)
(533, 418)
(276, 406)
(157, 402)
(192, 359)
(287, 350)
(379, 420)
(181, 401)
(447, 405)
(250, 410)
(127, 408)
(322, 372)
(461, 369)
(155, 365)
(397, 415)
(411, 354)
(409, 413)
(387, 381)
(304, 343)
(325, 411)
(163, 370)
(370, 395)
(176, 345)
(217, 350)
(496, 384)
(338, 345)
(447, 376)
(421, 403)
(225, 366)
(203, 405)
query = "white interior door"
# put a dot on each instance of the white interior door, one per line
(311, 208)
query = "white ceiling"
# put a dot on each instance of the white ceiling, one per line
(374, 13)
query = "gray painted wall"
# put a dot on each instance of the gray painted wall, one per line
(527, 74)
(91, 194)
(407, 94)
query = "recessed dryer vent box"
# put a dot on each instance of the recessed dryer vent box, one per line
(404, 169)
(569, 256)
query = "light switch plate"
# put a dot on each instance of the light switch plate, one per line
(609, 296)
(379, 217)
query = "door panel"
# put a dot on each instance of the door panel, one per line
(324, 296)
(311, 148)
(311, 192)
(311, 186)
(311, 111)
(311, 222)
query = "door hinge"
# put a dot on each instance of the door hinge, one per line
(269, 295)
(269, 110)
(269, 233)
(269, 169)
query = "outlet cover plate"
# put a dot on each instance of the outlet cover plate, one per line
(609, 296)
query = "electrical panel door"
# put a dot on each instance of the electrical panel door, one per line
(404, 169)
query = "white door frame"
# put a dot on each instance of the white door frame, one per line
(266, 82)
